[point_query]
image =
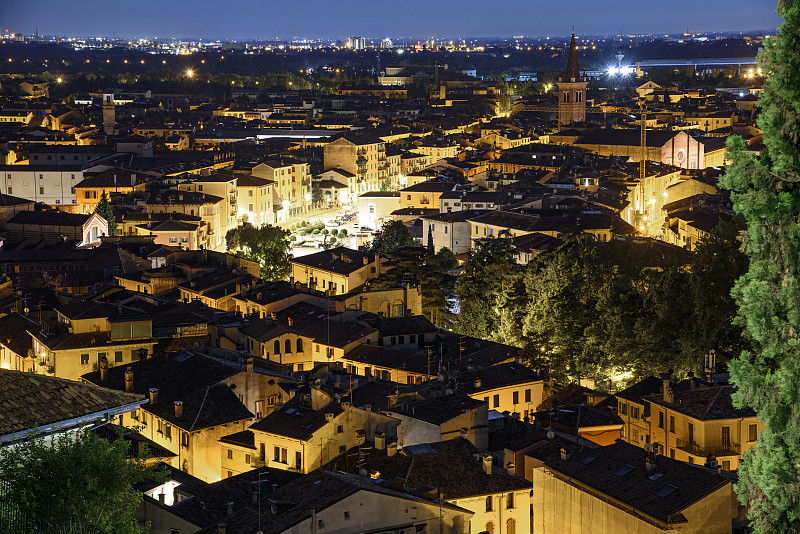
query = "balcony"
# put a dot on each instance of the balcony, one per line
(725, 449)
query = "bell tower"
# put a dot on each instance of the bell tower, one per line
(571, 91)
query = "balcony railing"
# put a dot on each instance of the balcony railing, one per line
(724, 449)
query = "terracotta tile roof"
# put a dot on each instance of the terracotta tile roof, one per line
(296, 421)
(705, 404)
(618, 471)
(449, 466)
(28, 401)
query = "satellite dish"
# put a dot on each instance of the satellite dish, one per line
(550, 434)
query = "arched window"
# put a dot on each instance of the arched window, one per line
(288, 346)
(489, 527)
(511, 527)
(299, 345)
(277, 347)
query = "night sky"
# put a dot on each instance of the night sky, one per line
(260, 19)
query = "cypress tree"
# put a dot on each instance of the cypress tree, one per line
(104, 210)
(766, 191)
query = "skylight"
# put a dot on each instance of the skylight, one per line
(624, 470)
(589, 458)
(666, 490)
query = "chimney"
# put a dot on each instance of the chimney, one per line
(511, 467)
(222, 528)
(328, 417)
(103, 370)
(178, 408)
(273, 316)
(666, 391)
(380, 441)
(391, 449)
(564, 454)
(477, 383)
(229, 507)
(486, 461)
(249, 366)
(366, 260)
(650, 464)
(153, 396)
(368, 408)
(290, 321)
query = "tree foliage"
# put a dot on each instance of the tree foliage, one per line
(603, 309)
(268, 245)
(433, 273)
(104, 210)
(392, 236)
(767, 192)
(487, 287)
(75, 483)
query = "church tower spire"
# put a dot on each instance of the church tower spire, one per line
(571, 90)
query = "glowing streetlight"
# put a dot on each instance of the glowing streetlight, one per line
(59, 80)
(189, 73)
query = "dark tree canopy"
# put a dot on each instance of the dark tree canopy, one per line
(268, 245)
(392, 236)
(767, 192)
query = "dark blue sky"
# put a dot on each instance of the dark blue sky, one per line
(245, 19)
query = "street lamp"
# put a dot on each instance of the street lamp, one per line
(189, 73)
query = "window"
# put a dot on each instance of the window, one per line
(489, 528)
(321, 523)
(489, 503)
(299, 345)
(276, 454)
(623, 408)
(515, 397)
(287, 346)
(84, 359)
(230, 454)
(635, 412)
(185, 440)
(496, 401)
(41, 190)
(340, 429)
(9, 190)
(672, 423)
(660, 419)
(346, 515)
(118, 356)
(752, 434)
(527, 395)
(298, 459)
(276, 347)
(247, 459)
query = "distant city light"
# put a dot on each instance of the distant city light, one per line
(189, 73)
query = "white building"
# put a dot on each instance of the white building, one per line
(50, 184)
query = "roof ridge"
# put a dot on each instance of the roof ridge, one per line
(713, 401)
(200, 409)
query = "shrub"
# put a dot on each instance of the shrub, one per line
(325, 231)
(315, 231)
(343, 232)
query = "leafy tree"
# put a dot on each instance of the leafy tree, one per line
(104, 210)
(268, 245)
(432, 272)
(716, 265)
(490, 270)
(74, 483)
(767, 193)
(392, 236)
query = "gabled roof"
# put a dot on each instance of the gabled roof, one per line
(339, 260)
(705, 404)
(29, 401)
(49, 218)
(437, 410)
(449, 466)
(618, 472)
(196, 380)
(293, 420)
